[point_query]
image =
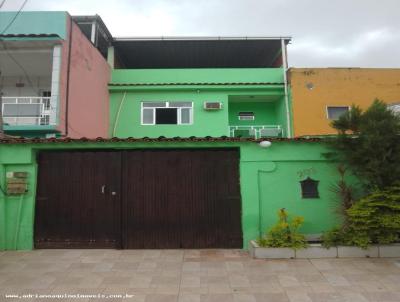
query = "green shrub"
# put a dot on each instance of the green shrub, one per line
(369, 143)
(374, 219)
(285, 233)
(333, 237)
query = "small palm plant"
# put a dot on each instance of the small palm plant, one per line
(285, 233)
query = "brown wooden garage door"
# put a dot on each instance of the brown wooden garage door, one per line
(74, 205)
(187, 198)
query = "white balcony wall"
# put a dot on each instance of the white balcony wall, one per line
(12, 85)
(24, 111)
(31, 74)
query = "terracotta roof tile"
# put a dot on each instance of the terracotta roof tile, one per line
(195, 84)
(11, 140)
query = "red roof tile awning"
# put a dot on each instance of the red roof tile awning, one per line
(16, 140)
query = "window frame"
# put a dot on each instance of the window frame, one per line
(335, 106)
(167, 105)
(305, 194)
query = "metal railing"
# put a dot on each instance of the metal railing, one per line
(21, 111)
(256, 131)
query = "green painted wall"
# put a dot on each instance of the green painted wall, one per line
(268, 177)
(198, 75)
(264, 113)
(205, 123)
(270, 181)
(125, 119)
(271, 185)
(17, 212)
(35, 23)
(213, 123)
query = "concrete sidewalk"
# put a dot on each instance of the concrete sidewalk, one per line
(194, 275)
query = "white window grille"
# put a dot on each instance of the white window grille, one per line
(166, 113)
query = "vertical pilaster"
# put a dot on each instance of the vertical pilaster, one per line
(110, 56)
(55, 84)
(287, 105)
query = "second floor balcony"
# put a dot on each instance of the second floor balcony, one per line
(28, 111)
(30, 79)
(256, 131)
(257, 116)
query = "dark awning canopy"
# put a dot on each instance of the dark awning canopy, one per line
(143, 53)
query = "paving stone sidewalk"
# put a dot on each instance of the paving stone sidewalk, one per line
(194, 276)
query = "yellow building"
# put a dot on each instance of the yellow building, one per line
(320, 95)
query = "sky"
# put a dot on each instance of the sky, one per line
(325, 33)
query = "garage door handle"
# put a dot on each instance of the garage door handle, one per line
(103, 189)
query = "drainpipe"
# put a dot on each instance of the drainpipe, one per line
(285, 69)
(117, 116)
(260, 205)
(3, 218)
(68, 75)
(260, 208)
(1, 111)
(18, 222)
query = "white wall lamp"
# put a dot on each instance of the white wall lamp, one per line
(265, 144)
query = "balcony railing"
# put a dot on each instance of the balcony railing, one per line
(258, 131)
(27, 111)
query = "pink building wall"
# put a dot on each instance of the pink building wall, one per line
(88, 98)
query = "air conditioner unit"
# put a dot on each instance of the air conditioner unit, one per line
(212, 105)
(246, 116)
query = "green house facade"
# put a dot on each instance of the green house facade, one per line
(270, 179)
(258, 93)
(199, 154)
(244, 81)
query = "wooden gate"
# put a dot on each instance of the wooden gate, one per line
(75, 206)
(182, 199)
(167, 198)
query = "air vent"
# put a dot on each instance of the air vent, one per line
(246, 116)
(212, 105)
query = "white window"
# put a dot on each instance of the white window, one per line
(45, 93)
(246, 116)
(334, 112)
(167, 113)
